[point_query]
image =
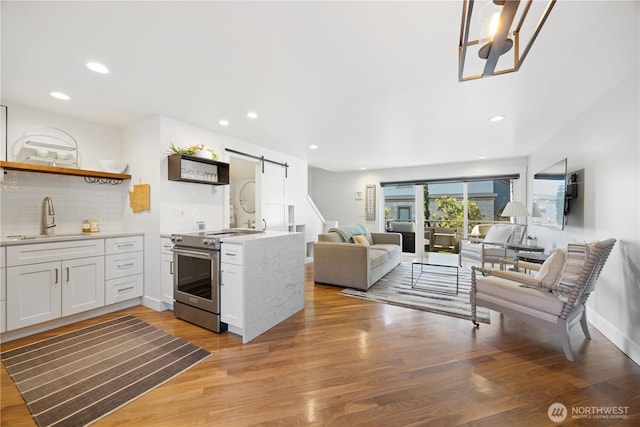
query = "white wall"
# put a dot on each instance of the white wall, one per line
(604, 141)
(175, 205)
(74, 199)
(334, 193)
(95, 141)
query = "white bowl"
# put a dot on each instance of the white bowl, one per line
(112, 166)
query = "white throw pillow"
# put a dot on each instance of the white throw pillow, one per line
(499, 233)
(552, 268)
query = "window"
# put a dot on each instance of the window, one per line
(443, 204)
(404, 212)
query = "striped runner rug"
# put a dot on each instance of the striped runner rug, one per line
(79, 377)
(434, 291)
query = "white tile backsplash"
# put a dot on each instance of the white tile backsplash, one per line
(74, 200)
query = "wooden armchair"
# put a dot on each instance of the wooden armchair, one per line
(554, 299)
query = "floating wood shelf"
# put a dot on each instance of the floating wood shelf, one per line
(62, 171)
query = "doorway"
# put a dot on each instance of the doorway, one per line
(242, 189)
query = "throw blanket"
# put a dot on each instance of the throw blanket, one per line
(349, 231)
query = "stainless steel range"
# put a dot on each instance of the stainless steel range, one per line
(196, 278)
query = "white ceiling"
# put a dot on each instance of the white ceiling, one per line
(373, 84)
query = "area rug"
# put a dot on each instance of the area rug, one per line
(77, 378)
(434, 292)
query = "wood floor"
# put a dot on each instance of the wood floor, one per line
(344, 361)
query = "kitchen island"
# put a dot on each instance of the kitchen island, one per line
(262, 280)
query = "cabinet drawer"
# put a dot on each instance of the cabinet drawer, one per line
(122, 265)
(45, 252)
(124, 288)
(118, 245)
(166, 245)
(232, 253)
(3, 253)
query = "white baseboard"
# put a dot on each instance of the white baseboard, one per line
(619, 339)
(155, 304)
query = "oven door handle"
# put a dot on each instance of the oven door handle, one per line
(197, 254)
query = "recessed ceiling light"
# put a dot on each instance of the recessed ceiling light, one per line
(496, 118)
(482, 157)
(252, 115)
(313, 147)
(363, 168)
(60, 95)
(97, 67)
(224, 122)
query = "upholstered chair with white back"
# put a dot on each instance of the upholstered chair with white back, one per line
(490, 249)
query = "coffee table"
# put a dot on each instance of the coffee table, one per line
(435, 259)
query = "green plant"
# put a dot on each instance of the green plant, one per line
(191, 150)
(427, 212)
(387, 212)
(452, 212)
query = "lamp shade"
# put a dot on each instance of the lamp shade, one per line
(515, 209)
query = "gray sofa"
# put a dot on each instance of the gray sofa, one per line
(337, 261)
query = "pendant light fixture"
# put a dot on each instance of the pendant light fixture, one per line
(490, 29)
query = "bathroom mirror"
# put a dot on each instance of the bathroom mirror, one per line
(248, 197)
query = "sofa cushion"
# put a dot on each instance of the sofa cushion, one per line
(330, 237)
(377, 257)
(499, 233)
(507, 290)
(348, 231)
(388, 247)
(360, 239)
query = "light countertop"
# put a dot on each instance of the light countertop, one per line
(63, 237)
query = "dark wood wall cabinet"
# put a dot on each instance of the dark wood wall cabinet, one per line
(187, 168)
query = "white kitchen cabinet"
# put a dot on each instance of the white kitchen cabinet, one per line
(35, 293)
(232, 286)
(124, 268)
(231, 295)
(82, 284)
(123, 265)
(123, 288)
(119, 245)
(166, 272)
(46, 281)
(3, 291)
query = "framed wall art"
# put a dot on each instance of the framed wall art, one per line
(370, 203)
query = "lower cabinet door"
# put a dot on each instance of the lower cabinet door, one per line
(34, 292)
(232, 295)
(166, 278)
(82, 285)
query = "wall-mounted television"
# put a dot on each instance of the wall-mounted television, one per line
(549, 196)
